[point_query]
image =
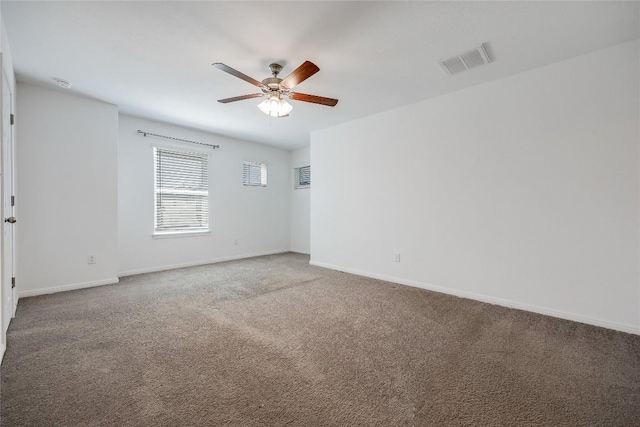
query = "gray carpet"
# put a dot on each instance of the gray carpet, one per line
(274, 341)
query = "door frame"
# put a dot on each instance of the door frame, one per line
(8, 293)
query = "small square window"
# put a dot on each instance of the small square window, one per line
(302, 177)
(254, 174)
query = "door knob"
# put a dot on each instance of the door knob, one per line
(10, 220)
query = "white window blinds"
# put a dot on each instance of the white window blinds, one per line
(181, 190)
(302, 177)
(254, 174)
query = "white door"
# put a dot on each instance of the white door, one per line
(8, 216)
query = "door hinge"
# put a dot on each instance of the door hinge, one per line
(13, 119)
(13, 200)
(13, 282)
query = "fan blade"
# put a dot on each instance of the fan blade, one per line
(238, 74)
(300, 74)
(240, 98)
(313, 98)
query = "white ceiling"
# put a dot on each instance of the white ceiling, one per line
(153, 59)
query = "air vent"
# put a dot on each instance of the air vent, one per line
(465, 61)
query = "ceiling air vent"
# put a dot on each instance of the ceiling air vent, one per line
(467, 60)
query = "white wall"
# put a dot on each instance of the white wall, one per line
(522, 191)
(6, 57)
(258, 217)
(300, 205)
(66, 156)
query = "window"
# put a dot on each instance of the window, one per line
(302, 177)
(254, 174)
(181, 191)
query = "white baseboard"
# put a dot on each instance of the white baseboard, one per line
(631, 329)
(196, 263)
(1, 352)
(300, 251)
(70, 287)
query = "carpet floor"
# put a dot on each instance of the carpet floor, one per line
(273, 341)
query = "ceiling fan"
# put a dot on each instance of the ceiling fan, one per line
(276, 89)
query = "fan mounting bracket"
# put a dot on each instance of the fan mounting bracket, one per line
(275, 69)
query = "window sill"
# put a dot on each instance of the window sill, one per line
(169, 234)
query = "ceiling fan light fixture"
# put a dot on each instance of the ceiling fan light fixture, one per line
(275, 106)
(275, 88)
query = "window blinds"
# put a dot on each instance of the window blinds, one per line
(254, 174)
(181, 190)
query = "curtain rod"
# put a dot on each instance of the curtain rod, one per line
(144, 133)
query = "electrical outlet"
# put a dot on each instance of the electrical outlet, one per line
(91, 259)
(397, 258)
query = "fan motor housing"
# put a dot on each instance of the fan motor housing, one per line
(272, 82)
